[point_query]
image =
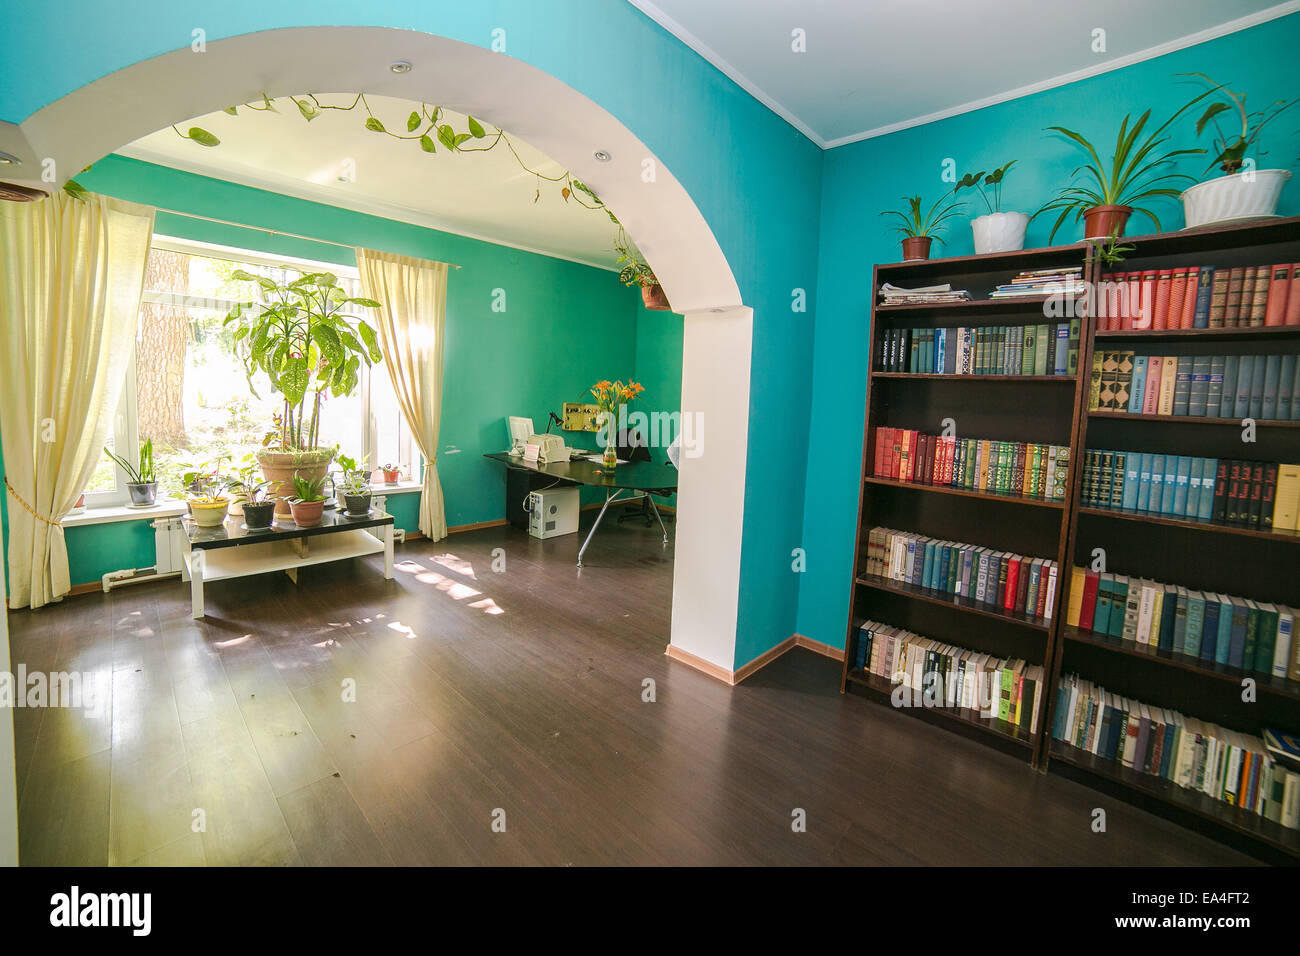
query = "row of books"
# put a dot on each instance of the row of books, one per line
(891, 294)
(1255, 636)
(1252, 494)
(998, 579)
(1049, 349)
(1022, 469)
(1265, 387)
(1228, 766)
(934, 674)
(1038, 282)
(1200, 297)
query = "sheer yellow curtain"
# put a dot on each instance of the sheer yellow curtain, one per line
(71, 274)
(413, 297)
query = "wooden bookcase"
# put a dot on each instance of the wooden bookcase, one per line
(1233, 560)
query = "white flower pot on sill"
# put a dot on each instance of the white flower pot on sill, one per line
(1246, 195)
(999, 232)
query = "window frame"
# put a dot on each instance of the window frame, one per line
(126, 420)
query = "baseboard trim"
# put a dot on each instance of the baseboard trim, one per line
(762, 660)
(826, 650)
(88, 588)
(700, 664)
(495, 523)
(732, 678)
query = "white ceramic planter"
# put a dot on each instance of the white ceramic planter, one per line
(1247, 195)
(999, 232)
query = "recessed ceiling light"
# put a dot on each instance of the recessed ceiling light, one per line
(401, 66)
(602, 156)
(8, 160)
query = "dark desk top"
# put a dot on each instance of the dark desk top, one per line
(232, 533)
(634, 476)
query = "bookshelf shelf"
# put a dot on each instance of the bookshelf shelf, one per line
(1250, 333)
(970, 721)
(1266, 683)
(964, 492)
(953, 601)
(1031, 304)
(1292, 537)
(939, 376)
(1255, 829)
(1189, 420)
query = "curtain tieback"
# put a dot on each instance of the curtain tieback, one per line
(30, 510)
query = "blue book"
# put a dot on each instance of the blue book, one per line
(1228, 400)
(1223, 642)
(1295, 394)
(1245, 372)
(1144, 483)
(1062, 354)
(1201, 317)
(1195, 620)
(1118, 605)
(1194, 488)
(1209, 474)
(1286, 388)
(1237, 643)
(1258, 368)
(1210, 627)
(1180, 622)
(1168, 615)
(1169, 486)
(1181, 478)
(1157, 483)
(1272, 385)
(1105, 592)
(1132, 480)
(1200, 392)
(1138, 386)
(927, 569)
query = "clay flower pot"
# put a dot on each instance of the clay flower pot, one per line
(917, 247)
(654, 297)
(209, 512)
(391, 476)
(306, 514)
(1100, 222)
(280, 466)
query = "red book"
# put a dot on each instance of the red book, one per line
(1160, 298)
(1278, 285)
(1177, 289)
(1013, 584)
(1151, 390)
(878, 463)
(1293, 297)
(1088, 607)
(1108, 301)
(1190, 293)
(1145, 311)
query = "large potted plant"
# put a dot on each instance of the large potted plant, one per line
(142, 479)
(635, 271)
(919, 228)
(1139, 169)
(302, 338)
(1243, 191)
(996, 231)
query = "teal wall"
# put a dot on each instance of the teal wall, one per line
(565, 327)
(862, 179)
(755, 179)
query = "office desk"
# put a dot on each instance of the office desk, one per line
(633, 480)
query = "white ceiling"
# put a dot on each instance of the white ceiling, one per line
(874, 66)
(483, 195)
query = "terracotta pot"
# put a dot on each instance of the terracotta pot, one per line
(280, 467)
(306, 514)
(391, 476)
(1100, 222)
(917, 247)
(654, 298)
(209, 514)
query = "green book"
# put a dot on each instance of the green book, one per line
(1266, 638)
(1252, 637)
(1040, 350)
(1118, 606)
(1029, 337)
(1072, 356)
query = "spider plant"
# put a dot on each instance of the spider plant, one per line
(1230, 149)
(1140, 168)
(915, 224)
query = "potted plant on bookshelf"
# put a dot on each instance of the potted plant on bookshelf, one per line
(142, 479)
(1243, 191)
(920, 228)
(996, 231)
(610, 399)
(259, 510)
(301, 337)
(1140, 169)
(308, 502)
(636, 271)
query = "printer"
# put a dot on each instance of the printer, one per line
(545, 448)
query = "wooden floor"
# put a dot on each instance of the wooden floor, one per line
(482, 693)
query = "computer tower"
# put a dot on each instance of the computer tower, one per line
(552, 512)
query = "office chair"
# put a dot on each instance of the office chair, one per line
(634, 448)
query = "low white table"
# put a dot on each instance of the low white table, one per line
(232, 551)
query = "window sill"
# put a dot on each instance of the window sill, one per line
(396, 488)
(165, 508)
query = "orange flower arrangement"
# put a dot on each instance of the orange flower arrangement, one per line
(610, 395)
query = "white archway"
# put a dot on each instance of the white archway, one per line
(661, 218)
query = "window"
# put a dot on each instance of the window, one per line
(186, 388)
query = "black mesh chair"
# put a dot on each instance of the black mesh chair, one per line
(632, 447)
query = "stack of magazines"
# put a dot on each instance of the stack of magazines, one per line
(891, 294)
(1067, 281)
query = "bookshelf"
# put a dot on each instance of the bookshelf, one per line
(1256, 563)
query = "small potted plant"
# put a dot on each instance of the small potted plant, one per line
(209, 509)
(347, 468)
(240, 487)
(636, 271)
(1239, 193)
(996, 231)
(142, 480)
(309, 500)
(391, 473)
(355, 491)
(920, 229)
(259, 510)
(1140, 168)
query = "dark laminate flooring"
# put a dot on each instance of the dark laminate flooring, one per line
(516, 696)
